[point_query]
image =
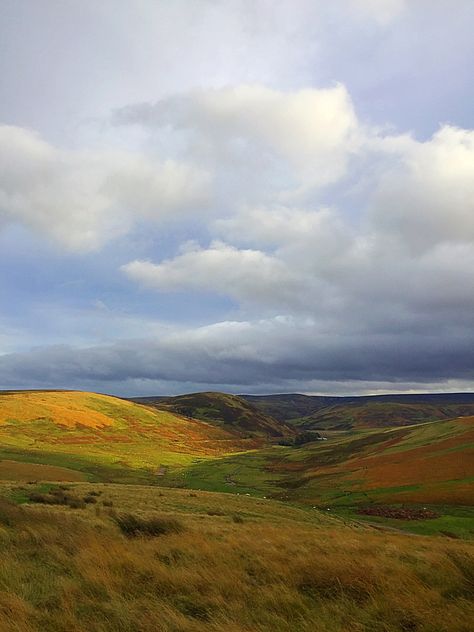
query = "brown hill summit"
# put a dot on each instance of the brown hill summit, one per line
(221, 409)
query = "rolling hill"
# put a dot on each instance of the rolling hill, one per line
(376, 411)
(104, 437)
(426, 463)
(227, 411)
(286, 407)
(74, 436)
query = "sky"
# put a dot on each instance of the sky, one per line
(251, 196)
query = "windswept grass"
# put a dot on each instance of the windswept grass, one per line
(132, 525)
(279, 569)
(18, 471)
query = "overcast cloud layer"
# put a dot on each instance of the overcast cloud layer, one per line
(253, 197)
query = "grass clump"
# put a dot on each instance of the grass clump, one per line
(216, 512)
(133, 526)
(9, 512)
(75, 503)
(57, 496)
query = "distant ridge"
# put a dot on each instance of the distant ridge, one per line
(320, 411)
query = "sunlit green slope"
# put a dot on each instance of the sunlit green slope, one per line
(101, 435)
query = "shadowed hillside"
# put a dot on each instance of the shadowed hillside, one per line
(229, 411)
(286, 407)
(377, 411)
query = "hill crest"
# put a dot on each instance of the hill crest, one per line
(223, 410)
(367, 411)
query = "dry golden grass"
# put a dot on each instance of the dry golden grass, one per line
(278, 568)
(68, 408)
(17, 471)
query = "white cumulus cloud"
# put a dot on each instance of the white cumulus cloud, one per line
(246, 275)
(83, 199)
(426, 195)
(312, 131)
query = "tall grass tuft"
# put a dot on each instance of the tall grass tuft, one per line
(133, 526)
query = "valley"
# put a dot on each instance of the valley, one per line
(206, 513)
(211, 441)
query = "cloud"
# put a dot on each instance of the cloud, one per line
(400, 258)
(248, 166)
(347, 251)
(271, 354)
(278, 224)
(426, 196)
(311, 131)
(246, 275)
(382, 11)
(83, 199)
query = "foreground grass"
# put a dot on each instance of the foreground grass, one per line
(229, 563)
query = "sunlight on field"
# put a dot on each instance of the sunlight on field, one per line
(69, 409)
(84, 430)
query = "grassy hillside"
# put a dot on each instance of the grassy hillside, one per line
(381, 415)
(378, 411)
(224, 410)
(433, 462)
(213, 562)
(430, 464)
(103, 437)
(286, 407)
(176, 555)
(72, 436)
